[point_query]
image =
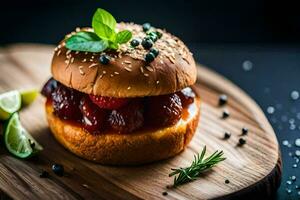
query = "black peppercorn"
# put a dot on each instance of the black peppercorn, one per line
(147, 43)
(225, 114)
(154, 51)
(244, 131)
(44, 174)
(242, 141)
(227, 135)
(134, 43)
(146, 27)
(165, 193)
(149, 57)
(227, 181)
(104, 59)
(152, 36)
(222, 99)
(159, 34)
(58, 169)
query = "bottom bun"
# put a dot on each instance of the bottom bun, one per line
(142, 146)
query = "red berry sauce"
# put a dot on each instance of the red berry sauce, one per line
(98, 114)
(93, 117)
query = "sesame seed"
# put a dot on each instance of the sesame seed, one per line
(127, 69)
(92, 57)
(84, 60)
(129, 88)
(104, 72)
(92, 65)
(142, 70)
(67, 61)
(149, 68)
(171, 59)
(72, 59)
(91, 60)
(55, 49)
(120, 55)
(80, 70)
(86, 53)
(58, 52)
(59, 46)
(111, 75)
(127, 62)
(145, 74)
(76, 52)
(69, 51)
(157, 82)
(116, 73)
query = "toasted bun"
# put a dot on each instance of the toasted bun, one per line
(126, 149)
(127, 74)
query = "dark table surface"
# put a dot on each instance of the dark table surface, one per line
(274, 75)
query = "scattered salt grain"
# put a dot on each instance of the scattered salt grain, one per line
(270, 110)
(247, 65)
(295, 95)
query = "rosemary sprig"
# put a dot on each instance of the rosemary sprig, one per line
(198, 166)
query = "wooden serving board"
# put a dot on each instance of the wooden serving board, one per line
(253, 170)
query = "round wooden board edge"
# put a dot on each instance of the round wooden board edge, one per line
(267, 186)
(270, 182)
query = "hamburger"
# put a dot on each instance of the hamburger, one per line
(128, 105)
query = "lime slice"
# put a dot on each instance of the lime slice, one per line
(28, 96)
(18, 141)
(10, 102)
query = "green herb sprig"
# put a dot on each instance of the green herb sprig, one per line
(104, 35)
(198, 166)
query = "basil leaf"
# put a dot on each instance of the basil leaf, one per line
(105, 17)
(104, 24)
(88, 35)
(103, 31)
(113, 45)
(86, 41)
(123, 36)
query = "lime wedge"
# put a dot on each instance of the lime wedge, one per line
(18, 141)
(10, 102)
(28, 96)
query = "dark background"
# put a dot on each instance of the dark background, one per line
(221, 34)
(208, 21)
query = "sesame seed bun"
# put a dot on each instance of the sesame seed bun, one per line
(142, 146)
(127, 74)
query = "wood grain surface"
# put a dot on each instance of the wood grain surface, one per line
(253, 169)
